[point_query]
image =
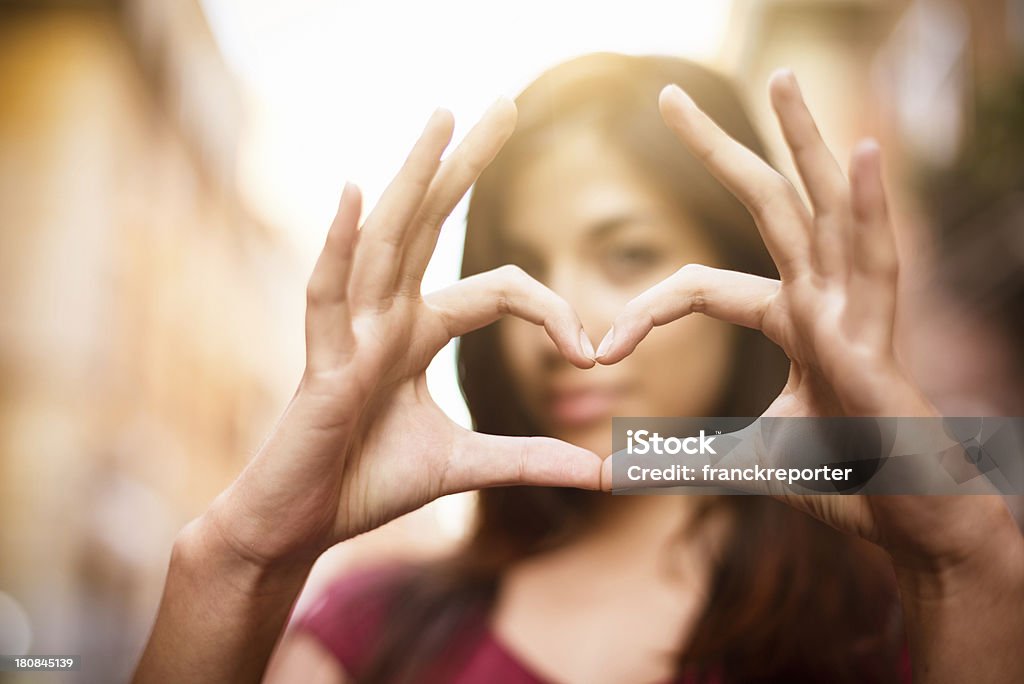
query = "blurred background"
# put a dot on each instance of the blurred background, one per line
(168, 171)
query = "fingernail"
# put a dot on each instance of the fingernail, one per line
(868, 146)
(791, 77)
(786, 73)
(606, 343)
(586, 344)
(866, 154)
(437, 115)
(505, 106)
(678, 92)
(784, 77)
(346, 190)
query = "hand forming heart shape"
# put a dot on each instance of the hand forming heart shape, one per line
(363, 442)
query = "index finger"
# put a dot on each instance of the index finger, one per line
(781, 217)
(386, 228)
(483, 298)
(454, 178)
(730, 296)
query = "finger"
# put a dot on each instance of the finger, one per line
(875, 271)
(824, 180)
(738, 298)
(778, 212)
(480, 461)
(386, 228)
(457, 173)
(328, 330)
(482, 299)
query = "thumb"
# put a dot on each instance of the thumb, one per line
(479, 461)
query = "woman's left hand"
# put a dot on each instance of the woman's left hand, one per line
(831, 311)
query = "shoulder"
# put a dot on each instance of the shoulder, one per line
(350, 614)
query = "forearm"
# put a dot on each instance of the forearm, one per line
(221, 614)
(966, 622)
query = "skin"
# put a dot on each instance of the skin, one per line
(584, 222)
(587, 224)
(361, 442)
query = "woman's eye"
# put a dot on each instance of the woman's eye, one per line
(629, 261)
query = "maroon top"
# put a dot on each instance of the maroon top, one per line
(348, 619)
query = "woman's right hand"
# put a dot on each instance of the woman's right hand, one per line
(361, 441)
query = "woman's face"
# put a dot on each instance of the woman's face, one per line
(586, 223)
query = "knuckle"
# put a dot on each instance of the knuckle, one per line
(889, 266)
(704, 152)
(690, 271)
(835, 206)
(512, 273)
(465, 169)
(698, 301)
(410, 284)
(883, 261)
(433, 217)
(774, 190)
(314, 294)
(512, 278)
(778, 184)
(523, 458)
(692, 276)
(502, 303)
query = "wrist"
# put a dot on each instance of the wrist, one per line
(962, 614)
(995, 566)
(207, 552)
(223, 609)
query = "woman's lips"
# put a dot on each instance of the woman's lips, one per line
(577, 407)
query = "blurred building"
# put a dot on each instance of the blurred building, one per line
(919, 62)
(150, 327)
(910, 73)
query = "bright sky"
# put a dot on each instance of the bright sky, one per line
(339, 91)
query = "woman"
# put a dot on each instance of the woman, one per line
(645, 588)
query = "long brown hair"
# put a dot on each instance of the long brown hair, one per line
(791, 600)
